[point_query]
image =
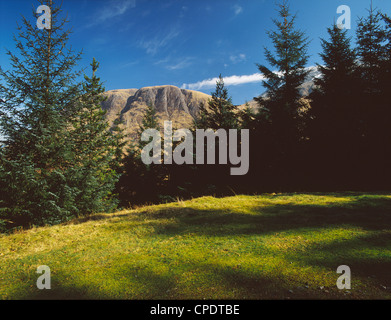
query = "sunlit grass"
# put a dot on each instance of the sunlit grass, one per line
(274, 246)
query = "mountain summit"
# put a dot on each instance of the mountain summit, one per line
(171, 103)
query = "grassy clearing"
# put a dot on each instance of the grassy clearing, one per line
(243, 247)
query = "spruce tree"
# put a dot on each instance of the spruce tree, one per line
(373, 107)
(247, 117)
(281, 102)
(386, 80)
(97, 149)
(371, 50)
(219, 113)
(279, 120)
(386, 101)
(149, 120)
(387, 64)
(38, 96)
(139, 182)
(332, 129)
(56, 162)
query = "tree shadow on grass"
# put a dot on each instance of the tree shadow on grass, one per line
(93, 217)
(361, 211)
(133, 284)
(368, 214)
(362, 254)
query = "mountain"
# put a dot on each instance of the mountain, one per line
(171, 103)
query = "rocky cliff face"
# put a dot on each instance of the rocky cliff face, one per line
(171, 103)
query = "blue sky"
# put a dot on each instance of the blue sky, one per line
(184, 43)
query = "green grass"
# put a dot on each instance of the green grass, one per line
(284, 246)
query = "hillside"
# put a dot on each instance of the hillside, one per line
(277, 246)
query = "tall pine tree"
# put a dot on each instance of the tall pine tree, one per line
(97, 150)
(373, 108)
(279, 119)
(39, 95)
(332, 129)
(141, 183)
(219, 113)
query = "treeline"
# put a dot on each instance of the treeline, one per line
(336, 138)
(59, 159)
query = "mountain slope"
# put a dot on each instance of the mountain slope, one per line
(171, 103)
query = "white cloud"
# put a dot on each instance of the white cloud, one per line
(111, 10)
(228, 81)
(181, 65)
(239, 58)
(153, 45)
(175, 63)
(184, 9)
(130, 64)
(237, 80)
(237, 9)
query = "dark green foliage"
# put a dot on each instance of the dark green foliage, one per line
(53, 131)
(387, 64)
(371, 50)
(97, 150)
(279, 122)
(281, 103)
(220, 113)
(247, 117)
(141, 183)
(386, 74)
(374, 103)
(149, 120)
(38, 97)
(333, 118)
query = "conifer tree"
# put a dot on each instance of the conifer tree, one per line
(38, 96)
(149, 120)
(386, 102)
(220, 113)
(373, 107)
(141, 183)
(281, 103)
(55, 156)
(333, 126)
(387, 63)
(371, 50)
(247, 117)
(387, 66)
(97, 149)
(279, 121)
